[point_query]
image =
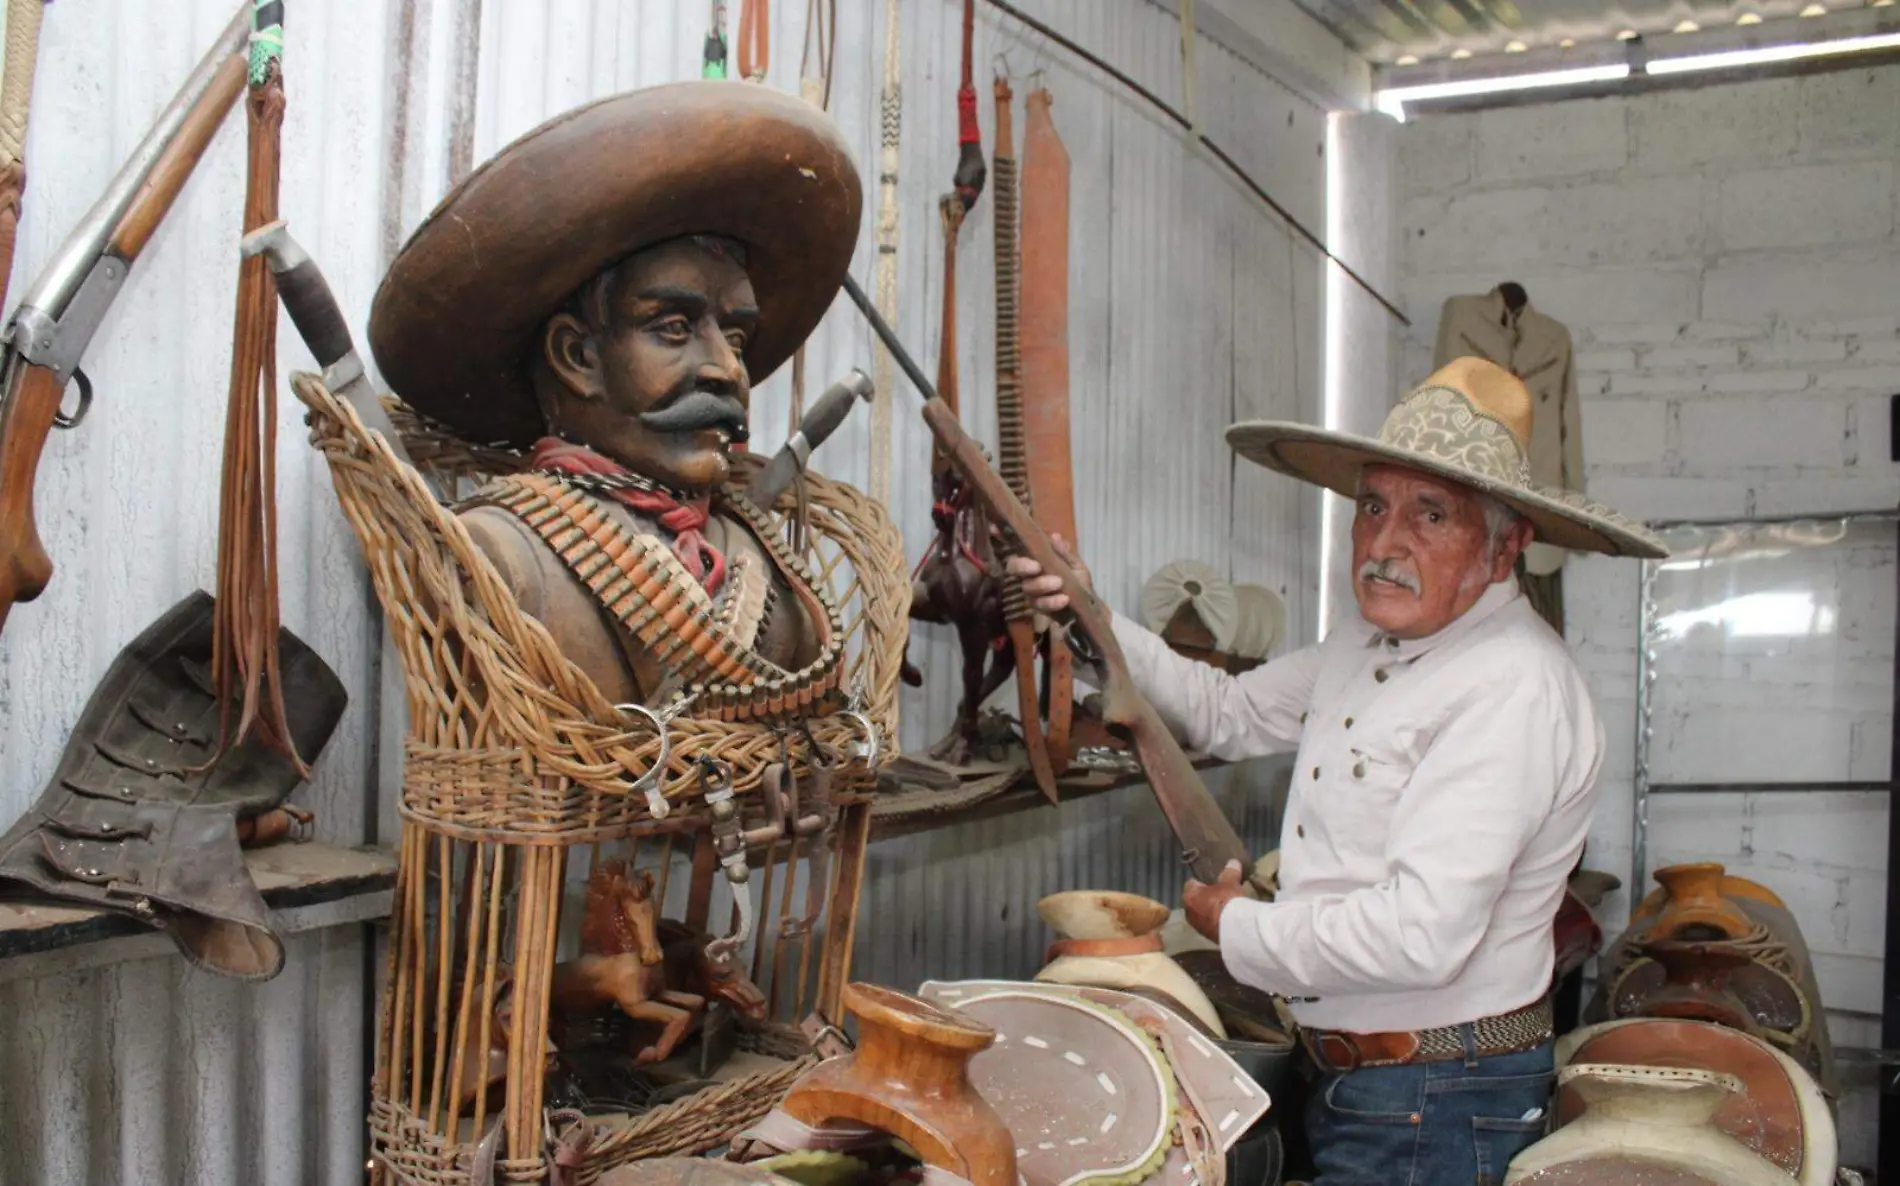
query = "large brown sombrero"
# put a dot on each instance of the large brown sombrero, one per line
(455, 318)
(1469, 422)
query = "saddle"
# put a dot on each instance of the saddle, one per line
(139, 821)
(1666, 1100)
(1009, 1082)
(1710, 947)
(690, 1171)
(1113, 940)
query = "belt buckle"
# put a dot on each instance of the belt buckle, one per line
(1325, 1043)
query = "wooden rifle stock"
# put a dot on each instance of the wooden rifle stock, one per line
(50, 330)
(1207, 839)
(25, 420)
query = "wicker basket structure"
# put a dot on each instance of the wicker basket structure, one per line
(520, 779)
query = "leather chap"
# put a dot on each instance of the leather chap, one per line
(127, 825)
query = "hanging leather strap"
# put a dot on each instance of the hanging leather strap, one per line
(755, 40)
(246, 622)
(966, 188)
(1012, 463)
(1045, 375)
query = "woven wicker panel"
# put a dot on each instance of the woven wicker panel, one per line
(507, 738)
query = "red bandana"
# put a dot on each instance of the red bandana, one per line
(684, 519)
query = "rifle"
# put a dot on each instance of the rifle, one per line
(47, 335)
(1207, 839)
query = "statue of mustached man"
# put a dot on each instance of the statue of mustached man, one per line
(603, 295)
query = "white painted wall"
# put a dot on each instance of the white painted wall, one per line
(1726, 261)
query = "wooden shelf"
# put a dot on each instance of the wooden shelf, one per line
(307, 887)
(919, 808)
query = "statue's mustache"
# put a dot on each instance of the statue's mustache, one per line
(1391, 573)
(699, 409)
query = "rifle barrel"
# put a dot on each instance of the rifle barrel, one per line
(61, 278)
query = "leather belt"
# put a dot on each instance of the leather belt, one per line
(1342, 1051)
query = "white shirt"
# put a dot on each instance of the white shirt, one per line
(1441, 797)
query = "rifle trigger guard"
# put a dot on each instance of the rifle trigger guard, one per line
(649, 783)
(61, 419)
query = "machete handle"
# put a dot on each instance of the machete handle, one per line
(305, 293)
(833, 406)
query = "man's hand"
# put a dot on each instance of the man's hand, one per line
(1047, 589)
(1203, 903)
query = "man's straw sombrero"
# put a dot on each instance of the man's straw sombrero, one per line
(1470, 422)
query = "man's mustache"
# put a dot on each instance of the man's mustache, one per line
(1389, 572)
(699, 409)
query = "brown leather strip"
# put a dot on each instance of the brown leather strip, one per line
(246, 617)
(1045, 320)
(1130, 945)
(1022, 639)
(1045, 375)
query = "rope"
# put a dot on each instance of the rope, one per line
(16, 100)
(891, 121)
(244, 648)
(16, 88)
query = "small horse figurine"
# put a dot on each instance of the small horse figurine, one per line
(956, 584)
(691, 966)
(621, 961)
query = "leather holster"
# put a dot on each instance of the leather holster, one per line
(127, 825)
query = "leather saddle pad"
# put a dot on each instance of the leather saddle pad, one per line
(1768, 1117)
(1230, 1101)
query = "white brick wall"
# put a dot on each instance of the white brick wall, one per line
(1726, 260)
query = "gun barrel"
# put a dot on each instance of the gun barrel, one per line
(61, 278)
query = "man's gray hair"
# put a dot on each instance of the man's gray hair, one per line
(1498, 521)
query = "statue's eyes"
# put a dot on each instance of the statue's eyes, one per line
(675, 328)
(736, 339)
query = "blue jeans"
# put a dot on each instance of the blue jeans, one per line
(1452, 1123)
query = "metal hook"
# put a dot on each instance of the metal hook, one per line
(648, 784)
(866, 749)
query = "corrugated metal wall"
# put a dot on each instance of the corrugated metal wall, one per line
(1191, 307)
(149, 1071)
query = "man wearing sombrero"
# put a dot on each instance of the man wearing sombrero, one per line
(603, 295)
(1448, 754)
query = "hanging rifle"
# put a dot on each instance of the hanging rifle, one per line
(47, 335)
(1207, 839)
